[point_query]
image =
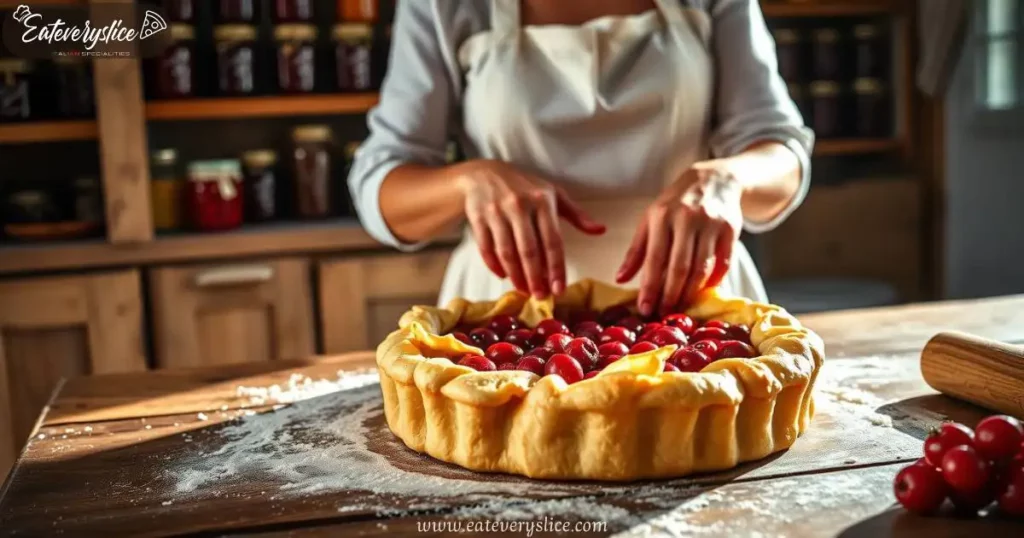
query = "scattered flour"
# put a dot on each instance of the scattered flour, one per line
(202, 416)
(298, 388)
(841, 385)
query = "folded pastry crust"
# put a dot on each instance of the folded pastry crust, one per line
(631, 421)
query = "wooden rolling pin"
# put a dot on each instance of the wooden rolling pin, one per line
(981, 371)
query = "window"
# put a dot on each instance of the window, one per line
(999, 57)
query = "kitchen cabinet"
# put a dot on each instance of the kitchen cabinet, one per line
(238, 312)
(361, 298)
(57, 327)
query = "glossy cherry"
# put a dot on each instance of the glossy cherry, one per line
(709, 348)
(564, 366)
(502, 324)
(506, 366)
(483, 338)
(503, 352)
(998, 437)
(463, 337)
(617, 334)
(734, 349)
(543, 353)
(548, 327)
(688, 359)
(669, 367)
(1011, 498)
(716, 323)
(966, 471)
(709, 333)
(588, 329)
(478, 363)
(613, 315)
(612, 348)
(668, 336)
(584, 351)
(531, 363)
(632, 323)
(948, 435)
(642, 347)
(648, 330)
(606, 361)
(520, 337)
(920, 488)
(558, 342)
(739, 332)
(682, 322)
(591, 374)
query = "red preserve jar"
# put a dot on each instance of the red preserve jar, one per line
(179, 10)
(236, 11)
(236, 58)
(353, 45)
(293, 10)
(214, 195)
(172, 72)
(296, 65)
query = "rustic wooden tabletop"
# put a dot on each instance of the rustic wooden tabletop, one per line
(300, 449)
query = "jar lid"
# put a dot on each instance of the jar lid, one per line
(867, 86)
(824, 88)
(259, 157)
(165, 157)
(866, 31)
(352, 31)
(786, 36)
(826, 35)
(234, 32)
(15, 65)
(182, 32)
(298, 32)
(230, 167)
(311, 133)
(200, 171)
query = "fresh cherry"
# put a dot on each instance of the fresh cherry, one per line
(734, 349)
(588, 329)
(739, 332)
(717, 324)
(708, 348)
(564, 366)
(502, 324)
(688, 359)
(1011, 499)
(581, 316)
(613, 315)
(606, 361)
(478, 363)
(558, 342)
(506, 366)
(709, 333)
(966, 471)
(583, 350)
(503, 352)
(542, 353)
(632, 323)
(642, 347)
(617, 334)
(948, 435)
(531, 363)
(998, 437)
(920, 488)
(612, 348)
(548, 327)
(669, 367)
(668, 336)
(591, 374)
(682, 322)
(463, 337)
(648, 330)
(483, 338)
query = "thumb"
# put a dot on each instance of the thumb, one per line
(575, 215)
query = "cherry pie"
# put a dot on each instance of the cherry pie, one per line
(580, 387)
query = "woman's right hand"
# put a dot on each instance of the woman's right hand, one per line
(514, 219)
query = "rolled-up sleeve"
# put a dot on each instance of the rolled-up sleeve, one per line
(753, 103)
(410, 124)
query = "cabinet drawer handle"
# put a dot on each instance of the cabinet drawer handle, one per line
(234, 275)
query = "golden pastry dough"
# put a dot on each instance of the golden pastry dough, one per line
(631, 421)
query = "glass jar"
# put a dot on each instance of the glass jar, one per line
(74, 87)
(826, 109)
(296, 65)
(358, 11)
(88, 199)
(353, 45)
(166, 190)
(172, 72)
(826, 52)
(293, 10)
(236, 58)
(870, 54)
(32, 206)
(788, 46)
(260, 185)
(236, 11)
(311, 160)
(872, 108)
(213, 194)
(15, 90)
(180, 10)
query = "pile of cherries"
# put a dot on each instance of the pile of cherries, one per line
(596, 340)
(971, 468)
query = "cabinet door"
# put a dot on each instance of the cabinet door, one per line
(56, 327)
(361, 298)
(226, 314)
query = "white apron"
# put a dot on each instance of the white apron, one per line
(612, 110)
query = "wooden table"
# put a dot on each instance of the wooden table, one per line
(191, 453)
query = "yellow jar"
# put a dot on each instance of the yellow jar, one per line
(167, 191)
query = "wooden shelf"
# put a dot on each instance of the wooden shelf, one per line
(828, 8)
(856, 146)
(247, 107)
(47, 131)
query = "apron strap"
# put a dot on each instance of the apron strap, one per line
(504, 17)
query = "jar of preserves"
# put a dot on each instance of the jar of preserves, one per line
(73, 76)
(237, 11)
(15, 90)
(260, 185)
(173, 71)
(789, 50)
(166, 190)
(214, 195)
(236, 58)
(870, 52)
(353, 45)
(32, 206)
(296, 65)
(180, 10)
(293, 10)
(872, 108)
(798, 93)
(826, 109)
(311, 160)
(827, 53)
(358, 11)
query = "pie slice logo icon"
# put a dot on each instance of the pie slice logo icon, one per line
(153, 23)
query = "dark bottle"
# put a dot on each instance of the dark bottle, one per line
(237, 11)
(872, 108)
(180, 10)
(827, 53)
(173, 72)
(236, 59)
(293, 11)
(260, 185)
(871, 56)
(788, 46)
(826, 109)
(15, 90)
(296, 64)
(311, 160)
(73, 76)
(353, 45)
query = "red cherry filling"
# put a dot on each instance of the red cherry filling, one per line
(483, 338)
(717, 324)
(734, 349)
(669, 367)
(506, 366)
(531, 363)
(618, 334)
(709, 333)
(591, 374)
(632, 323)
(549, 327)
(708, 348)
(520, 337)
(612, 348)
(588, 329)
(606, 361)
(739, 332)
(613, 315)
(463, 337)
(502, 324)
(478, 363)
(682, 322)
(584, 351)
(643, 347)
(503, 352)
(558, 342)
(543, 353)
(668, 336)
(689, 359)
(565, 366)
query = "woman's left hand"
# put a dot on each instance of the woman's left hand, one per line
(684, 241)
